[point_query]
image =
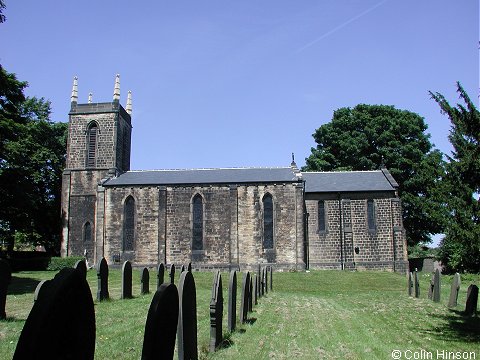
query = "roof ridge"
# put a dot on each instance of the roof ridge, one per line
(220, 168)
(340, 171)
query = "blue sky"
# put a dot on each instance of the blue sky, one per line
(243, 83)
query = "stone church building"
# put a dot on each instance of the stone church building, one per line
(219, 218)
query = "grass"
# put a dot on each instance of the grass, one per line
(315, 315)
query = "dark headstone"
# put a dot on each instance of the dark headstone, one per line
(182, 269)
(61, 324)
(216, 312)
(161, 324)
(472, 300)
(255, 290)
(145, 281)
(262, 283)
(81, 266)
(126, 280)
(455, 288)
(187, 318)
(266, 280)
(189, 267)
(102, 280)
(436, 286)
(431, 287)
(416, 284)
(410, 284)
(232, 301)
(5, 279)
(38, 290)
(250, 295)
(244, 302)
(271, 278)
(160, 275)
(172, 274)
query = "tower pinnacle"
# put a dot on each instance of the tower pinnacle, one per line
(74, 96)
(116, 90)
(129, 103)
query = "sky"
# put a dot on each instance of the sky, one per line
(223, 83)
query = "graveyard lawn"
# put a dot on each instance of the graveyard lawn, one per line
(314, 315)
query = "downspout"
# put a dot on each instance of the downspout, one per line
(342, 263)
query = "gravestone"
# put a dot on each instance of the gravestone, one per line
(410, 284)
(436, 286)
(126, 280)
(271, 278)
(38, 290)
(244, 302)
(172, 274)
(160, 275)
(216, 312)
(232, 301)
(182, 269)
(416, 284)
(454, 290)
(161, 324)
(430, 289)
(250, 295)
(145, 281)
(102, 280)
(472, 300)
(189, 267)
(81, 266)
(61, 324)
(266, 280)
(5, 279)
(262, 282)
(255, 290)
(187, 318)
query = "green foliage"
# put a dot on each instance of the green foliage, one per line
(460, 249)
(420, 251)
(368, 137)
(32, 155)
(58, 263)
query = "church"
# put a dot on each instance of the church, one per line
(223, 218)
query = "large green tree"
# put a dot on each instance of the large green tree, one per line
(32, 154)
(368, 137)
(460, 248)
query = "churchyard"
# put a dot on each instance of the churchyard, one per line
(307, 315)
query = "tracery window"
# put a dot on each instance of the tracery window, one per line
(129, 224)
(371, 215)
(268, 222)
(322, 224)
(197, 220)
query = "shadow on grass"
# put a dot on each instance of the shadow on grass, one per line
(20, 285)
(458, 328)
(251, 321)
(226, 342)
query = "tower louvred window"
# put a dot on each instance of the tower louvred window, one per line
(92, 144)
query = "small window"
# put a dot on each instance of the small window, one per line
(322, 224)
(92, 144)
(267, 222)
(197, 218)
(371, 215)
(87, 232)
(129, 224)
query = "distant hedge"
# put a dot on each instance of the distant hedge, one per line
(58, 263)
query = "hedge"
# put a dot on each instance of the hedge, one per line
(58, 263)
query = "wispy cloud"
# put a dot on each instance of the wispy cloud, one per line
(341, 26)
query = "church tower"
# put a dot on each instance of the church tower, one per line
(98, 147)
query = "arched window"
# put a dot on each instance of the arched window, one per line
(371, 215)
(129, 224)
(87, 232)
(267, 222)
(92, 133)
(197, 222)
(322, 223)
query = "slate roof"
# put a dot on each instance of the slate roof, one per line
(349, 181)
(204, 176)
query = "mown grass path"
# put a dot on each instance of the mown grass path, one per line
(315, 315)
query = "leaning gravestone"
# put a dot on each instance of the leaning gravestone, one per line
(126, 280)
(232, 301)
(102, 280)
(410, 284)
(61, 324)
(172, 274)
(145, 280)
(161, 324)
(472, 300)
(436, 286)
(160, 275)
(216, 312)
(244, 302)
(5, 279)
(187, 318)
(81, 266)
(454, 290)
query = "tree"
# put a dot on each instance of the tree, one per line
(32, 155)
(368, 137)
(460, 248)
(2, 6)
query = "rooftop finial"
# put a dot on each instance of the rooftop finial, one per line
(129, 103)
(74, 97)
(116, 90)
(90, 98)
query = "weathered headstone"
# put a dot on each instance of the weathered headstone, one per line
(61, 324)
(189, 267)
(216, 312)
(182, 269)
(145, 281)
(271, 278)
(255, 290)
(161, 324)
(436, 286)
(410, 284)
(126, 280)
(454, 290)
(187, 318)
(5, 278)
(172, 274)
(472, 300)
(81, 266)
(244, 304)
(250, 295)
(38, 290)
(102, 280)
(416, 284)
(232, 301)
(262, 282)
(266, 280)
(160, 275)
